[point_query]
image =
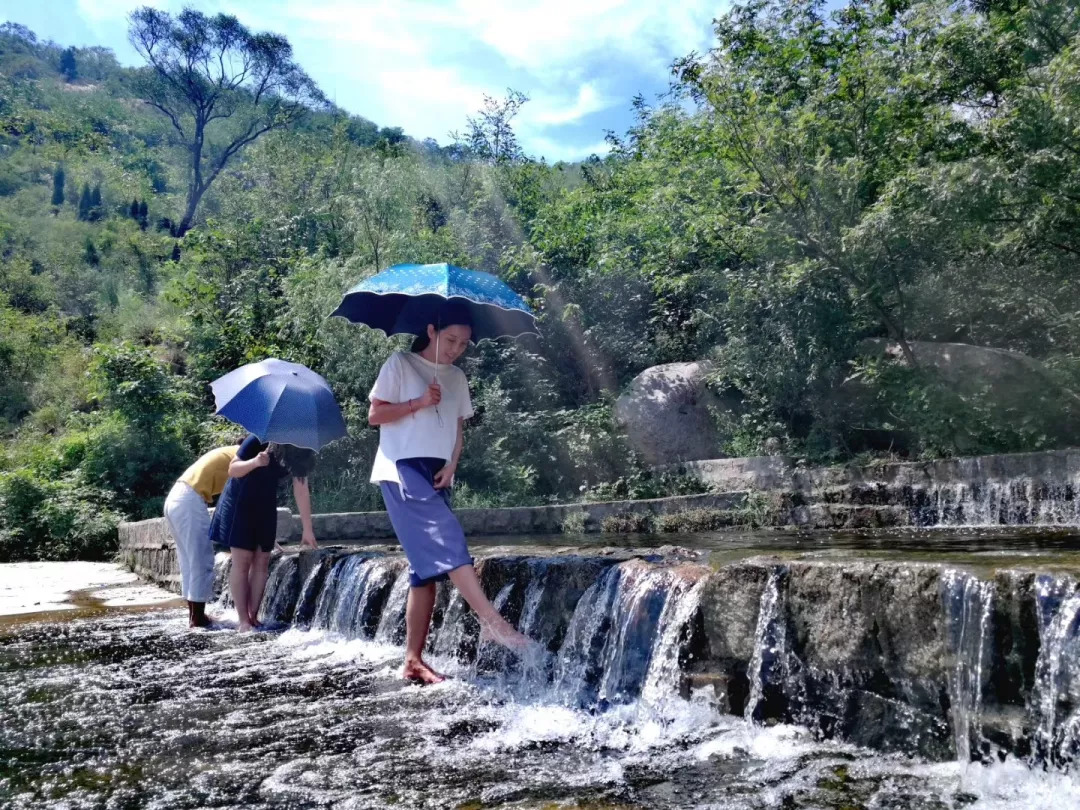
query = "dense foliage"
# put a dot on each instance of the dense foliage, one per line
(898, 172)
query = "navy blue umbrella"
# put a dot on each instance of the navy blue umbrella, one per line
(405, 298)
(280, 402)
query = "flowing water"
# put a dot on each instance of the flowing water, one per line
(129, 710)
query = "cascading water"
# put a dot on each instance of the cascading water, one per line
(1055, 702)
(391, 627)
(836, 647)
(1014, 502)
(968, 603)
(776, 688)
(282, 589)
(352, 601)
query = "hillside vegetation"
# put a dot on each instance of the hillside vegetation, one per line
(901, 171)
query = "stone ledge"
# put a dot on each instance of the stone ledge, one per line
(783, 473)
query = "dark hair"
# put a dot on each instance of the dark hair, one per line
(450, 313)
(299, 461)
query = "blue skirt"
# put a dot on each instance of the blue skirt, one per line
(430, 535)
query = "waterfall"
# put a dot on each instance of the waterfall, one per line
(310, 591)
(1055, 700)
(282, 589)
(1014, 502)
(352, 597)
(682, 604)
(450, 635)
(624, 631)
(776, 687)
(391, 627)
(969, 606)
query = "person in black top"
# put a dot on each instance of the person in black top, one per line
(246, 516)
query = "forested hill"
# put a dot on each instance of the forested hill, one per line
(825, 199)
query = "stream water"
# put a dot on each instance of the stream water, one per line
(132, 710)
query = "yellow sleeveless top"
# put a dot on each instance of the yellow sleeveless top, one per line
(208, 475)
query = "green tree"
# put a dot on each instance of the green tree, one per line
(90, 253)
(58, 189)
(143, 215)
(85, 203)
(489, 135)
(96, 212)
(68, 65)
(133, 211)
(220, 86)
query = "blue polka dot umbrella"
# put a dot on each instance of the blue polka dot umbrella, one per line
(280, 402)
(403, 299)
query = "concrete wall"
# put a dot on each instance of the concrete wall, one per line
(783, 473)
(147, 546)
(1020, 489)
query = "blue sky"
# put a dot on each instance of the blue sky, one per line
(425, 65)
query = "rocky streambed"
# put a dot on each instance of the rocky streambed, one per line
(730, 670)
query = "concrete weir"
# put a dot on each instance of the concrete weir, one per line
(921, 658)
(939, 643)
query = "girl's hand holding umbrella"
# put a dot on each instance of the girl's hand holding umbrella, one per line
(431, 397)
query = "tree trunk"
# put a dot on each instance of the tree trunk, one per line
(194, 196)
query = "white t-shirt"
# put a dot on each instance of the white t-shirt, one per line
(405, 376)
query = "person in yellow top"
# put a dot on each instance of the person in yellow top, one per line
(189, 521)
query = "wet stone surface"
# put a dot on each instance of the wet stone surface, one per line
(134, 711)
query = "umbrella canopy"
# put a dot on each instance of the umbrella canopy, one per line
(280, 402)
(406, 297)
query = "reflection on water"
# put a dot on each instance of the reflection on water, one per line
(135, 711)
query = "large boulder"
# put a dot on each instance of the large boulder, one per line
(667, 414)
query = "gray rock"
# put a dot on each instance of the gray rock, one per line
(666, 413)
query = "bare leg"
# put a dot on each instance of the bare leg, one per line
(239, 583)
(493, 627)
(257, 579)
(197, 615)
(418, 610)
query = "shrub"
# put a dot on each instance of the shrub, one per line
(54, 520)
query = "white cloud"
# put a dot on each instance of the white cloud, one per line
(553, 112)
(543, 35)
(425, 65)
(553, 151)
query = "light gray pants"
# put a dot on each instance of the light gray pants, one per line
(189, 522)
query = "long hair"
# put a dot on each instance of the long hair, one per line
(451, 313)
(299, 461)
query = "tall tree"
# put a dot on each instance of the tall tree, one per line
(90, 254)
(58, 188)
(143, 215)
(95, 204)
(490, 136)
(133, 211)
(68, 65)
(84, 203)
(220, 85)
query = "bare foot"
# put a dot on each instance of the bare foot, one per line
(419, 672)
(500, 632)
(243, 627)
(204, 621)
(254, 622)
